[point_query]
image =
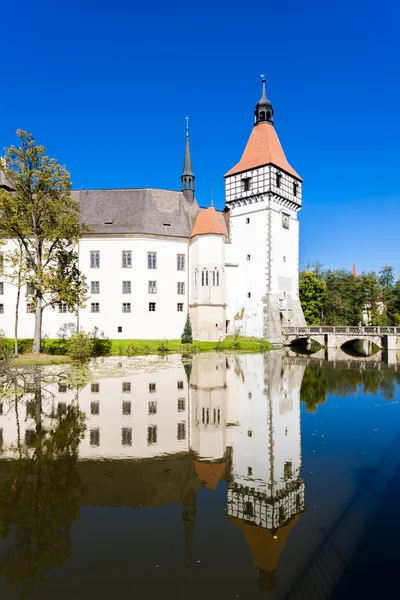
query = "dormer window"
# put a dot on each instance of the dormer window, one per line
(246, 183)
(295, 186)
(278, 179)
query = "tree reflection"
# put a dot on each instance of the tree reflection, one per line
(40, 492)
(319, 381)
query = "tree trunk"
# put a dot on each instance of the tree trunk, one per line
(16, 321)
(38, 326)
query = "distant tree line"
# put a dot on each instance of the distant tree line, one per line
(340, 298)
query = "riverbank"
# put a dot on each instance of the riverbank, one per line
(57, 349)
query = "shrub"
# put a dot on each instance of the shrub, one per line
(187, 337)
(80, 346)
(162, 347)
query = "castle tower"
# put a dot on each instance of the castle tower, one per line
(208, 296)
(263, 194)
(187, 177)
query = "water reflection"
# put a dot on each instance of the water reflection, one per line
(151, 434)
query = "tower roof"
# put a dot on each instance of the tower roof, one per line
(208, 222)
(263, 148)
(210, 473)
(187, 161)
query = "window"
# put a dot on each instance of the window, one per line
(95, 259)
(249, 509)
(181, 287)
(285, 221)
(95, 437)
(126, 259)
(95, 408)
(30, 409)
(62, 388)
(180, 385)
(126, 408)
(248, 256)
(152, 307)
(2, 309)
(278, 180)
(1, 408)
(250, 395)
(126, 387)
(152, 260)
(246, 184)
(152, 287)
(152, 435)
(181, 404)
(95, 287)
(249, 294)
(281, 516)
(95, 388)
(287, 469)
(62, 307)
(95, 307)
(126, 436)
(179, 307)
(247, 220)
(249, 433)
(181, 431)
(217, 278)
(249, 471)
(284, 259)
(30, 260)
(295, 186)
(30, 436)
(204, 277)
(126, 287)
(126, 307)
(119, 329)
(2, 288)
(152, 407)
(152, 388)
(180, 259)
(30, 307)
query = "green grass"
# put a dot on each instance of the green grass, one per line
(28, 360)
(59, 347)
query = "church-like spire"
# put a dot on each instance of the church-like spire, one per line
(187, 177)
(264, 111)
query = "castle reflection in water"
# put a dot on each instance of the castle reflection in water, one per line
(161, 430)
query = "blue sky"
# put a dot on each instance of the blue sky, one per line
(106, 86)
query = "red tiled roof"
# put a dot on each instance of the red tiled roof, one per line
(210, 473)
(263, 148)
(208, 222)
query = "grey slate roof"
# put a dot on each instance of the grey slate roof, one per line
(137, 210)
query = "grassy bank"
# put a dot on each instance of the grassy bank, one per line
(59, 347)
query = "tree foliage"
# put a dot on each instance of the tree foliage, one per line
(187, 337)
(337, 297)
(43, 216)
(80, 346)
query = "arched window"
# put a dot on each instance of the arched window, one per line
(268, 116)
(262, 115)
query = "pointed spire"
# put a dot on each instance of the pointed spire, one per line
(354, 270)
(264, 111)
(187, 177)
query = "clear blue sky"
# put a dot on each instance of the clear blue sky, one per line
(105, 86)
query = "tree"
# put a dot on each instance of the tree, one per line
(312, 291)
(187, 337)
(44, 217)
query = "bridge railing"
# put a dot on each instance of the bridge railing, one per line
(343, 330)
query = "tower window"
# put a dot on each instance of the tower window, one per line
(247, 220)
(262, 115)
(295, 186)
(284, 259)
(285, 221)
(249, 294)
(248, 257)
(278, 180)
(246, 183)
(268, 115)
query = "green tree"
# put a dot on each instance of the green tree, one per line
(312, 290)
(44, 217)
(187, 337)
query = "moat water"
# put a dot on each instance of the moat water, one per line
(205, 477)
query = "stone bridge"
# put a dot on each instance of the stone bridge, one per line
(336, 337)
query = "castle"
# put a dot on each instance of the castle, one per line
(153, 255)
